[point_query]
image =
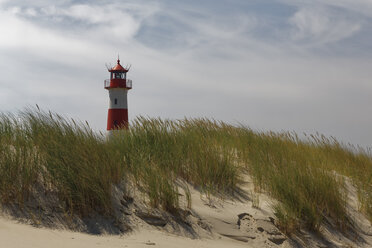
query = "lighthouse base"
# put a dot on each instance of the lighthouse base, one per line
(117, 119)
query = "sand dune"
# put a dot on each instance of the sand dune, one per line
(213, 221)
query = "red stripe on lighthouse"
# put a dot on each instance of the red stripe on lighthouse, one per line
(117, 118)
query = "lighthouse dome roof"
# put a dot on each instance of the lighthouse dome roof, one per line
(118, 67)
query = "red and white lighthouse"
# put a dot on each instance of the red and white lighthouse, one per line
(118, 86)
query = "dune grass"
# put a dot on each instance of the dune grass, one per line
(305, 176)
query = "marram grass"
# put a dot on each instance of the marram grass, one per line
(305, 176)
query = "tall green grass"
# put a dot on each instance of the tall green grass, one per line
(305, 176)
(65, 157)
(157, 152)
(296, 175)
(19, 161)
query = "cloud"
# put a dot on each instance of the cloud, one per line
(70, 33)
(193, 29)
(319, 26)
(84, 17)
(357, 7)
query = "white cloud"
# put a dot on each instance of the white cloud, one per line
(31, 12)
(19, 34)
(319, 26)
(360, 6)
(33, 29)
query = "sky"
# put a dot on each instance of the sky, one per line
(280, 65)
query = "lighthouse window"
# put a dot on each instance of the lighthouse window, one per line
(118, 75)
(116, 101)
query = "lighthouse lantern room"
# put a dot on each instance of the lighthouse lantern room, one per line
(118, 86)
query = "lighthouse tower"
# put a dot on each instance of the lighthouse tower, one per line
(118, 86)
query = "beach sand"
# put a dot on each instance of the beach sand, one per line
(16, 235)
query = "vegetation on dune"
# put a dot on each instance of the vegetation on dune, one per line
(305, 176)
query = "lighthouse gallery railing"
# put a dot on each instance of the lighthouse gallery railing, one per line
(107, 83)
(128, 83)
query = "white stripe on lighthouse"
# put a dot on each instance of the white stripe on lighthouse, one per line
(118, 98)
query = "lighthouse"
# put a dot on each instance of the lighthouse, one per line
(117, 86)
